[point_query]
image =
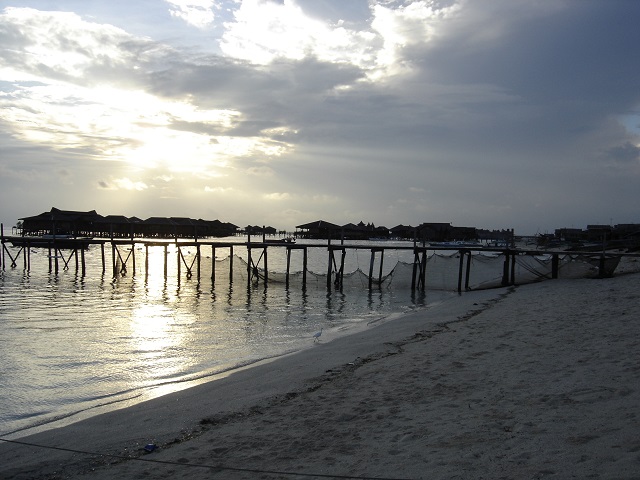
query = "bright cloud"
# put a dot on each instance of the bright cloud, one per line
(123, 184)
(264, 31)
(278, 196)
(60, 46)
(198, 13)
(410, 24)
(209, 189)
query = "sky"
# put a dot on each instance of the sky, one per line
(485, 113)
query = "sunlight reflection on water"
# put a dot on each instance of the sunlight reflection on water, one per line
(74, 342)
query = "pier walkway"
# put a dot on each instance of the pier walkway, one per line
(66, 253)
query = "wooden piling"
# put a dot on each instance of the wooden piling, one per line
(505, 269)
(461, 263)
(371, 262)
(467, 274)
(178, 252)
(113, 259)
(418, 275)
(55, 259)
(342, 259)
(266, 267)
(416, 259)
(330, 266)
(213, 265)
(424, 270)
(198, 258)
(304, 269)
(288, 266)
(166, 258)
(464, 253)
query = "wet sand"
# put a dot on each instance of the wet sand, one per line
(533, 381)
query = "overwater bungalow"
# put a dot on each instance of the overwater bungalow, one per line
(92, 224)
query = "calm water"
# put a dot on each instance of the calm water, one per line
(73, 343)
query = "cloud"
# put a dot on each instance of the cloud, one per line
(264, 31)
(72, 91)
(262, 171)
(401, 26)
(209, 189)
(470, 112)
(62, 47)
(625, 154)
(122, 184)
(198, 13)
(278, 196)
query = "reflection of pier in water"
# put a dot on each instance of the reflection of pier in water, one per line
(64, 253)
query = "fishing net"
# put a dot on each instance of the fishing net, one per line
(443, 271)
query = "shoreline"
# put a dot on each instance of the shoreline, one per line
(145, 394)
(469, 386)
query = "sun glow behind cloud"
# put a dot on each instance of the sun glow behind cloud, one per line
(123, 125)
(68, 96)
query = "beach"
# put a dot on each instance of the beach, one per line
(533, 381)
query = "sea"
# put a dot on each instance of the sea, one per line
(75, 345)
(79, 343)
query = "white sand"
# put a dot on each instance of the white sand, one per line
(535, 381)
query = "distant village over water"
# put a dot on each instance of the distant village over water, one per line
(92, 224)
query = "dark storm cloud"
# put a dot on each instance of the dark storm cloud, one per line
(567, 68)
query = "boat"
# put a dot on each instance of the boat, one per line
(498, 244)
(280, 241)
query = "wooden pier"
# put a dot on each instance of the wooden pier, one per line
(63, 254)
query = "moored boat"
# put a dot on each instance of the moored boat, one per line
(280, 240)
